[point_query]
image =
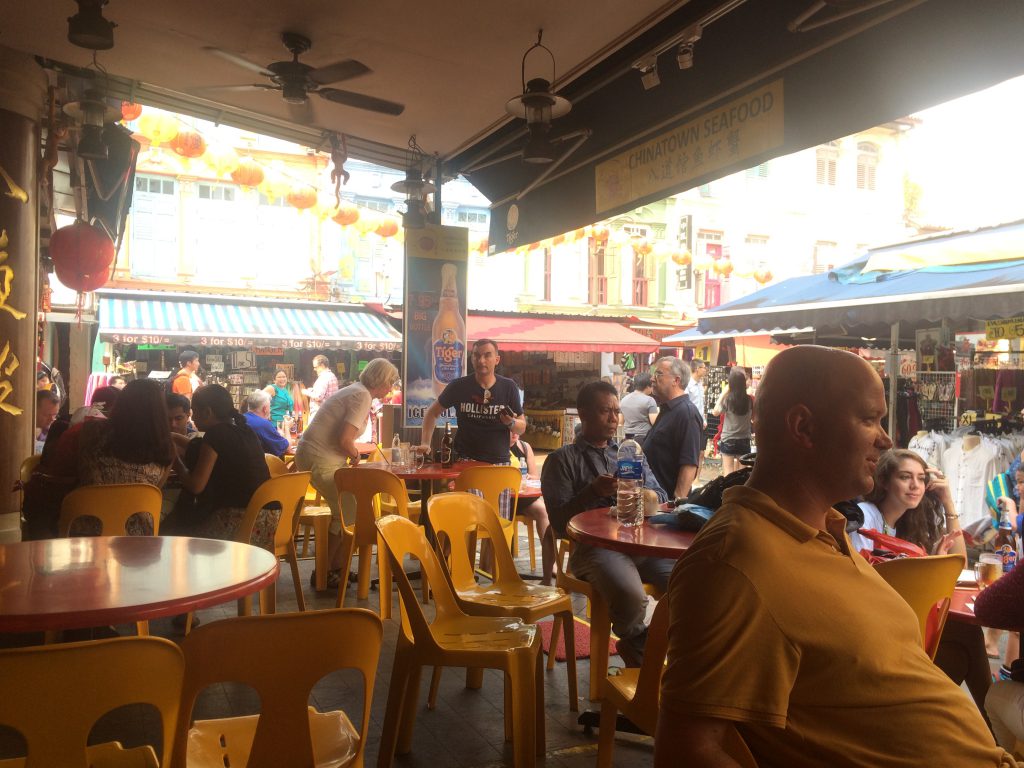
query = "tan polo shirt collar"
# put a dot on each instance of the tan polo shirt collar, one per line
(763, 505)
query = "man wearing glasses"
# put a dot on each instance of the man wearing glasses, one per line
(581, 476)
(673, 445)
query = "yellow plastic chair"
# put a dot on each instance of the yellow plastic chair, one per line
(600, 619)
(491, 481)
(28, 466)
(288, 490)
(112, 505)
(54, 694)
(367, 484)
(453, 638)
(518, 520)
(316, 517)
(282, 657)
(927, 584)
(275, 464)
(456, 515)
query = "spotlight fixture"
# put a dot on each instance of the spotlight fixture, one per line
(684, 56)
(414, 188)
(538, 106)
(649, 74)
(92, 113)
(88, 28)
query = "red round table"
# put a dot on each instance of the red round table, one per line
(961, 606)
(93, 581)
(599, 529)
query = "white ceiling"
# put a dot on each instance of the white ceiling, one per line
(453, 63)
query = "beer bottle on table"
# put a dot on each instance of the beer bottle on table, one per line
(447, 446)
(1005, 543)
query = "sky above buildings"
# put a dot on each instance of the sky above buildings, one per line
(968, 157)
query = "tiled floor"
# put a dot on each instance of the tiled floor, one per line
(466, 728)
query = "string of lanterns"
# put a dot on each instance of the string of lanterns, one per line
(271, 179)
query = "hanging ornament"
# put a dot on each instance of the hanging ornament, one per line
(557, 240)
(274, 185)
(600, 234)
(723, 266)
(346, 215)
(763, 276)
(641, 247)
(159, 128)
(222, 159)
(188, 143)
(81, 254)
(249, 173)
(367, 222)
(682, 258)
(130, 111)
(387, 228)
(301, 197)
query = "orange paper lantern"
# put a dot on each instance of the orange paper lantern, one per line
(188, 143)
(763, 276)
(249, 173)
(130, 111)
(682, 258)
(387, 228)
(599, 233)
(724, 266)
(82, 255)
(346, 215)
(301, 197)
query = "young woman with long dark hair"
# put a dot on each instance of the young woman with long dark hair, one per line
(736, 408)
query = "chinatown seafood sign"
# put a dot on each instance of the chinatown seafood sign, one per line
(242, 341)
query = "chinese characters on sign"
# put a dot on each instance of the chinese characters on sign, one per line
(743, 128)
(9, 361)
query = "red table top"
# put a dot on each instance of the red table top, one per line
(598, 529)
(88, 582)
(961, 606)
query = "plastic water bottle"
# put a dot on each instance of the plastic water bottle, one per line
(630, 474)
(396, 450)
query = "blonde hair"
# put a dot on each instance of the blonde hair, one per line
(378, 373)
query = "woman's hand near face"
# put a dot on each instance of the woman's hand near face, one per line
(939, 486)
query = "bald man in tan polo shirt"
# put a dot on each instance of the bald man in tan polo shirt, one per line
(780, 629)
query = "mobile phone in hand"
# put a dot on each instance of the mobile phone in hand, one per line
(506, 411)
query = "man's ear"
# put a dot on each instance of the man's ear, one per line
(801, 425)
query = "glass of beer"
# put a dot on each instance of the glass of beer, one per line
(988, 569)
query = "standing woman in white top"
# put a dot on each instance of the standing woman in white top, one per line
(736, 408)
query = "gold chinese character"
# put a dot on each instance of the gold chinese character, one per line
(7, 278)
(13, 190)
(8, 364)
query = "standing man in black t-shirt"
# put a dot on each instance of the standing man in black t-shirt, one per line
(487, 407)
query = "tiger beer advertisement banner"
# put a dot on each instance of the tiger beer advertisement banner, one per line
(435, 316)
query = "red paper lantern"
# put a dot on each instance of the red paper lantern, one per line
(682, 258)
(557, 240)
(346, 215)
(188, 143)
(130, 111)
(763, 276)
(249, 173)
(600, 233)
(387, 228)
(81, 255)
(483, 246)
(301, 197)
(642, 247)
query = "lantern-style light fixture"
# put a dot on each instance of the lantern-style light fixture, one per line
(92, 113)
(538, 106)
(414, 188)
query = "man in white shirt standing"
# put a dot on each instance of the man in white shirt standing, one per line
(695, 389)
(326, 384)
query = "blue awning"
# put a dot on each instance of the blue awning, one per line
(854, 297)
(128, 317)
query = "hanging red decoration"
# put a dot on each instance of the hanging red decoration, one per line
(763, 276)
(130, 111)
(599, 233)
(682, 258)
(387, 228)
(557, 240)
(81, 255)
(346, 215)
(189, 143)
(301, 197)
(483, 246)
(642, 247)
(249, 173)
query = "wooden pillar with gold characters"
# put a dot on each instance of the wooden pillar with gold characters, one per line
(22, 99)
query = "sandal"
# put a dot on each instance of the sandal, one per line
(333, 579)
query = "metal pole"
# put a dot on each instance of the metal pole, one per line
(894, 370)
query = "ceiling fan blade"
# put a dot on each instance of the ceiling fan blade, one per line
(302, 113)
(338, 71)
(226, 88)
(238, 60)
(362, 101)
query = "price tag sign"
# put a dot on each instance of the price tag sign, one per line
(1009, 328)
(967, 418)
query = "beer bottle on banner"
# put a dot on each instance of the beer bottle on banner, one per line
(1005, 543)
(447, 338)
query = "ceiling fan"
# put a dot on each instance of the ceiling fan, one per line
(296, 80)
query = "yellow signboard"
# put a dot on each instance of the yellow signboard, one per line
(1009, 328)
(745, 127)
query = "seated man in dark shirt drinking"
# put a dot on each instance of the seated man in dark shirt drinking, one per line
(581, 476)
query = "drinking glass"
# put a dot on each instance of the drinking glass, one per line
(988, 569)
(403, 452)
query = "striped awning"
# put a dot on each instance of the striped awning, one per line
(132, 318)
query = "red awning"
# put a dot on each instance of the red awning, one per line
(543, 334)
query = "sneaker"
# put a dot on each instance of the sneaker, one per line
(631, 657)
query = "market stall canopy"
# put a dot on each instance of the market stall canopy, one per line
(128, 317)
(545, 334)
(855, 299)
(756, 90)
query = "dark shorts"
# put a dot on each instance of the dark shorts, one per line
(737, 447)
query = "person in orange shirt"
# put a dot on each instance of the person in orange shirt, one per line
(186, 380)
